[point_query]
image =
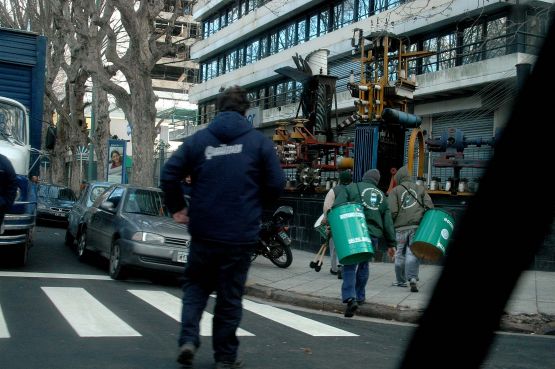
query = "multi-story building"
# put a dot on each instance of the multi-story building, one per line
(176, 73)
(479, 50)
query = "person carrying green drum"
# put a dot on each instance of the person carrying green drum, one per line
(408, 202)
(380, 225)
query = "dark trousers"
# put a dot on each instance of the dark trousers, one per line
(215, 267)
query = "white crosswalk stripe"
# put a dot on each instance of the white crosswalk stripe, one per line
(87, 316)
(295, 321)
(4, 333)
(171, 306)
(90, 318)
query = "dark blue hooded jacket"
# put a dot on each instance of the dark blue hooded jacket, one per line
(234, 172)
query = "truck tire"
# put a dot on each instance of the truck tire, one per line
(22, 254)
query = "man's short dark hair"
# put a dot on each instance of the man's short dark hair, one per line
(233, 98)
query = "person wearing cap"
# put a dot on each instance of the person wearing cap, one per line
(345, 177)
(380, 226)
(408, 202)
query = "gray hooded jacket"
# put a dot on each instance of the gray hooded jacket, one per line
(406, 211)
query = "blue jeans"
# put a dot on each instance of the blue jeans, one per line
(215, 267)
(355, 278)
(406, 263)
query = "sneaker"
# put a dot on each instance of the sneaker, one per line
(352, 306)
(186, 354)
(361, 302)
(399, 284)
(334, 272)
(229, 364)
(340, 273)
(413, 286)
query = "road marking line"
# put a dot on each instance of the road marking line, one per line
(4, 333)
(55, 275)
(171, 306)
(87, 316)
(295, 321)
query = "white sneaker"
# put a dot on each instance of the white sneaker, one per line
(413, 286)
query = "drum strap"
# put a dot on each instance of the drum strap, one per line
(419, 203)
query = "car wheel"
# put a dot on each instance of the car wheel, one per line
(116, 268)
(69, 240)
(82, 251)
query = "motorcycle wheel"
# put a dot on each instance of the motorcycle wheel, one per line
(281, 255)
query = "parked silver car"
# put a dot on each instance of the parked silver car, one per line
(54, 202)
(86, 198)
(131, 227)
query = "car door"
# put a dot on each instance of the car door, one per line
(91, 220)
(105, 221)
(77, 211)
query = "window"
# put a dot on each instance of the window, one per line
(282, 39)
(472, 44)
(323, 23)
(363, 9)
(251, 52)
(290, 36)
(447, 51)
(496, 37)
(313, 27)
(145, 202)
(429, 63)
(301, 31)
(115, 196)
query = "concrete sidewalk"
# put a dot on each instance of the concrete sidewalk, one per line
(531, 308)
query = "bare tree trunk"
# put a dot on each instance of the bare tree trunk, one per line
(59, 155)
(45, 173)
(102, 130)
(143, 116)
(77, 129)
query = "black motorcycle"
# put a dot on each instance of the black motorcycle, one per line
(274, 242)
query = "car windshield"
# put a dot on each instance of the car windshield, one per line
(12, 123)
(56, 192)
(148, 202)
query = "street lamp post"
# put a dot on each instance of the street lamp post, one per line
(90, 172)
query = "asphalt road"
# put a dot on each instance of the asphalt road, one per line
(51, 321)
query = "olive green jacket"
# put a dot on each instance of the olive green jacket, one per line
(376, 208)
(407, 201)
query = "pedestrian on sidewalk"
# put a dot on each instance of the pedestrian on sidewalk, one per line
(345, 177)
(380, 225)
(234, 172)
(408, 202)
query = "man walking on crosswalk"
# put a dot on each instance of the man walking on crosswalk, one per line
(234, 169)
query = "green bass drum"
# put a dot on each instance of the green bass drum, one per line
(350, 234)
(432, 236)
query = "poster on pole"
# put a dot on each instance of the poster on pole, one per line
(116, 171)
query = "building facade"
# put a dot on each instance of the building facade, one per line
(479, 53)
(177, 72)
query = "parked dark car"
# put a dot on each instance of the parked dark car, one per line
(54, 202)
(132, 228)
(86, 198)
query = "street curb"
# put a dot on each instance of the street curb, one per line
(522, 323)
(314, 302)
